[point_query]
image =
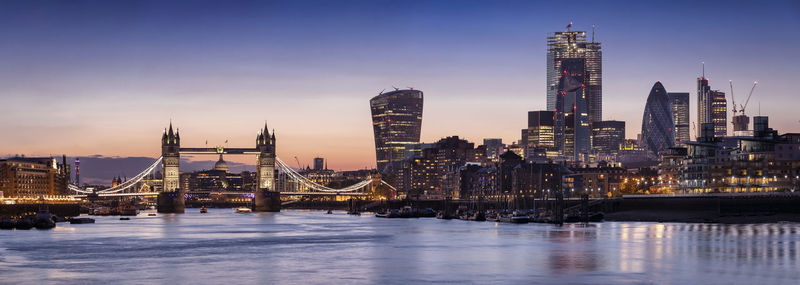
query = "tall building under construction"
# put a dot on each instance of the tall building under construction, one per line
(712, 107)
(569, 44)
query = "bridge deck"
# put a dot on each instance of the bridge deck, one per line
(153, 194)
(212, 150)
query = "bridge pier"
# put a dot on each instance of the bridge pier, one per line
(171, 202)
(266, 201)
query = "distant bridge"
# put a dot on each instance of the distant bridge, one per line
(273, 176)
(297, 184)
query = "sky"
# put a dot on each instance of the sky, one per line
(104, 78)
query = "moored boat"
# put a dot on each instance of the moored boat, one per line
(81, 221)
(128, 210)
(478, 216)
(243, 210)
(44, 220)
(444, 215)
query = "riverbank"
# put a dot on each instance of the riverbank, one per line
(59, 209)
(726, 209)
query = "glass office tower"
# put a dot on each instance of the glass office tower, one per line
(658, 132)
(396, 122)
(680, 115)
(712, 107)
(573, 45)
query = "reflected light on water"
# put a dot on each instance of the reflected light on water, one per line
(313, 247)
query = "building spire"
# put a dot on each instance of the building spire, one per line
(704, 69)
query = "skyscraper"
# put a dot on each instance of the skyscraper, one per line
(541, 134)
(680, 115)
(711, 107)
(573, 45)
(608, 136)
(657, 126)
(319, 163)
(396, 122)
(573, 131)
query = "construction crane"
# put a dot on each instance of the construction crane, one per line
(748, 98)
(298, 162)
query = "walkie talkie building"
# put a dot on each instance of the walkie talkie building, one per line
(396, 122)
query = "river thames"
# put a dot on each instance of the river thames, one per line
(312, 247)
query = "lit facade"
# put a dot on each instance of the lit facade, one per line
(565, 45)
(396, 122)
(33, 177)
(607, 137)
(712, 107)
(573, 131)
(541, 135)
(679, 102)
(494, 147)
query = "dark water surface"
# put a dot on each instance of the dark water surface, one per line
(309, 247)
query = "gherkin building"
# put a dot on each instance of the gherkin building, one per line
(657, 125)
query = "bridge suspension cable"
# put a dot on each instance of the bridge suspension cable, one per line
(281, 166)
(308, 183)
(124, 185)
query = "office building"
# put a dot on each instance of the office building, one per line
(679, 102)
(33, 177)
(494, 147)
(573, 132)
(711, 107)
(657, 126)
(541, 135)
(396, 122)
(319, 163)
(569, 44)
(607, 137)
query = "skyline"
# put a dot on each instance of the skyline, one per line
(116, 77)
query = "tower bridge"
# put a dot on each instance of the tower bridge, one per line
(273, 176)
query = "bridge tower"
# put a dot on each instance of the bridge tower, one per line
(266, 197)
(171, 199)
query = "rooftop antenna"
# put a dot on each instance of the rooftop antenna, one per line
(569, 26)
(592, 32)
(384, 89)
(704, 69)
(395, 88)
(733, 101)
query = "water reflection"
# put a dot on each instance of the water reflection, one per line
(312, 247)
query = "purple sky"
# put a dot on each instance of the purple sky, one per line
(105, 77)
